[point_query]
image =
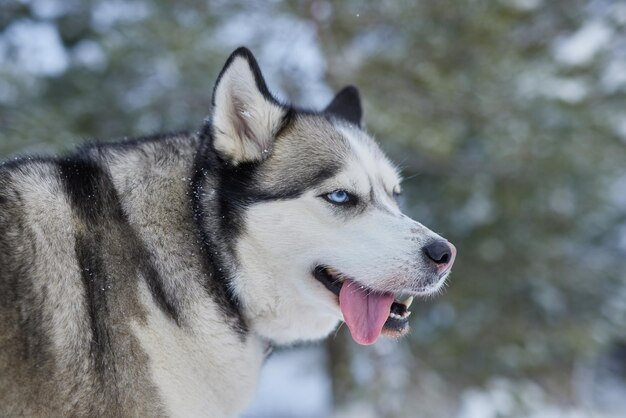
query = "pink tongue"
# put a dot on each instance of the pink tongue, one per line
(364, 312)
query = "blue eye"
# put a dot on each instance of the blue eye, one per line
(338, 197)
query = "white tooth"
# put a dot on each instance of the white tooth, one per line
(408, 301)
(406, 314)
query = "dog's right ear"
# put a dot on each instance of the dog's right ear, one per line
(347, 106)
(245, 117)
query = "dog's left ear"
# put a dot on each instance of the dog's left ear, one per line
(347, 106)
(246, 117)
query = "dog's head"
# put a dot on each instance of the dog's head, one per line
(320, 236)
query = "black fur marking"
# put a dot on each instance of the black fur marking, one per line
(347, 105)
(165, 301)
(218, 282)
(94, 198)
(239, 187)
(238, 190)
(90, 190)
(97, 284)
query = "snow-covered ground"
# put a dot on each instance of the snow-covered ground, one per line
(295, 384)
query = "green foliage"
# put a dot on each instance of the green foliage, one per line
(511, 152)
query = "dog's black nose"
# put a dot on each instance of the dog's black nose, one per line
(438, 251)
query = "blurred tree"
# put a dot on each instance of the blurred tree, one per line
(506, 116)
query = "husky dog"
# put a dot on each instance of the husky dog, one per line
(147, 277)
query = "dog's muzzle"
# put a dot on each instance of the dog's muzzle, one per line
(396, 323)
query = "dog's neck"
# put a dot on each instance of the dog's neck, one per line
(212, 220)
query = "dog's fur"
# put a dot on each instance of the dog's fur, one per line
(147, 277)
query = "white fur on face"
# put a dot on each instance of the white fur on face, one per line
(245, 121)
(285, 240)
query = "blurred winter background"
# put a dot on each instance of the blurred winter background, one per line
(508, 118)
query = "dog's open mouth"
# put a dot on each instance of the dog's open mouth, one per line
(367, 313)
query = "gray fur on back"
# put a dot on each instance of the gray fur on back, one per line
(77, 236)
